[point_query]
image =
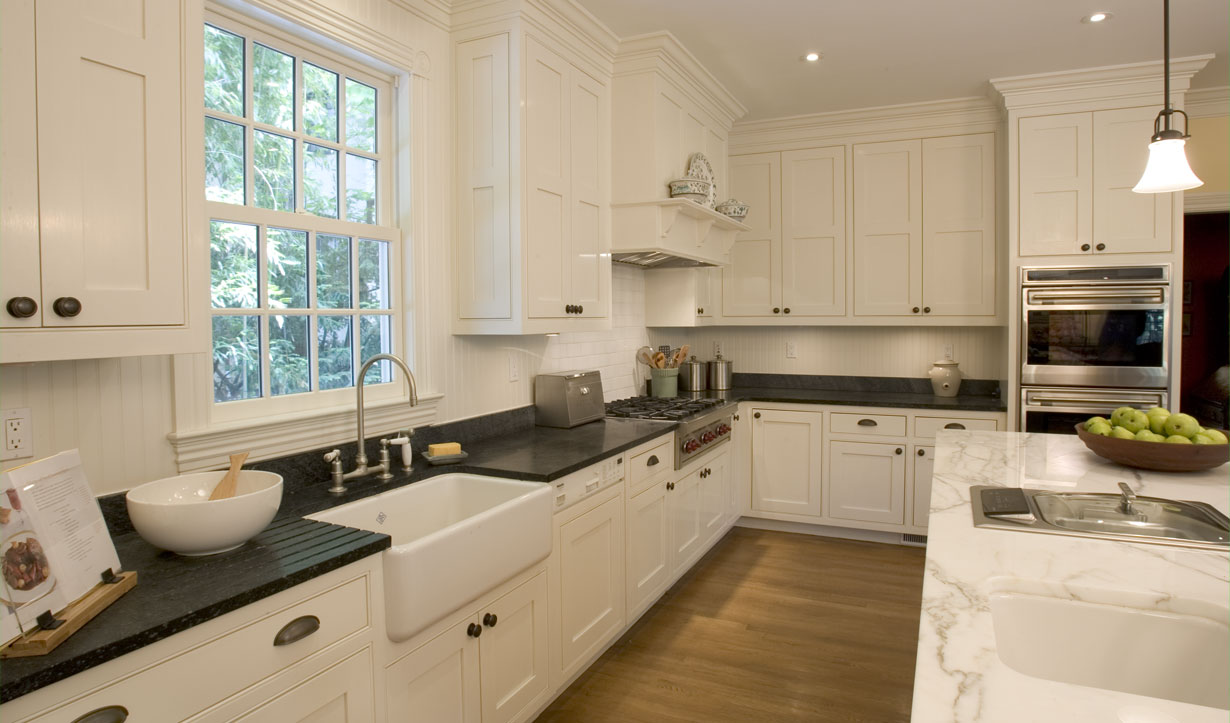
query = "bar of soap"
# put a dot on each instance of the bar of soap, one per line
(443, 449)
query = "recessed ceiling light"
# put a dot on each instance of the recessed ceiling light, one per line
(1097, 18)
(812, 57)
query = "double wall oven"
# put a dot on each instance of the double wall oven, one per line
(1093, 339)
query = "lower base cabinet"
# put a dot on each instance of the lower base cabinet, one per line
(924, 467)
(341, 693)
(867, 482)
(649, 546)
(488, 668)
(786, 461)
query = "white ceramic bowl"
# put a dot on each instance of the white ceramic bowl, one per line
(176, 513)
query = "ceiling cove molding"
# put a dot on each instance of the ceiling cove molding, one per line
(1206, 201)
(956, 115)
(1207, 102)
(640, 53)
(564, 22)
(581, 22)
(1132, 82)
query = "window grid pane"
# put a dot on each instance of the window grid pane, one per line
(287, 252)
(273, 87)
(236, 358)
(289, 363)
(319, 102)
(224, 69)
(233, 265)
(224, 161)
(273, 171)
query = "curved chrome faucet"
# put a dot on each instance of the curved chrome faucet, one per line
(382, 470)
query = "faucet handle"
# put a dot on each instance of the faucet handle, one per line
(396, 440)
(333, 456)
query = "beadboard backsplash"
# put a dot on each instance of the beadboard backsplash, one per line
(847, 351)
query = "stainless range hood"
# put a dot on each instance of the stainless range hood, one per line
(657, 260)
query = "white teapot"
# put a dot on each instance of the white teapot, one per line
(945, 378)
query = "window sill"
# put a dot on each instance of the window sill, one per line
(294, 433)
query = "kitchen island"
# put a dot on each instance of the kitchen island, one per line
(959, 674)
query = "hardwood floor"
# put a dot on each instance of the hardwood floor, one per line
(769, 626)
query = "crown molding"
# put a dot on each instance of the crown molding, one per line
(435, 12)
(567, 24)
(1207, 102)
(1134, 82)
(582, 23)
(956, 115)
(339, 31)
(1206, 201)
(659, 50)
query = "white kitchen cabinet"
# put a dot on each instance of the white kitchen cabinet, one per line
(792, 263)
(488, 668)
(682, 297)
(588, 594)
(924, 467)
(648, 546)
(924, 227)
(533, 157)
(786, 461)
(341, 693)
(1076, 172)
(96, 228)
(715, 497)
(684, 502)
(866, 481)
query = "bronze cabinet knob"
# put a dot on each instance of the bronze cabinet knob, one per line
(22, 307)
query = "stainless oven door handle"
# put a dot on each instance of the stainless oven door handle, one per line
(1142, 298)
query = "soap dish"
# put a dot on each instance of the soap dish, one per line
(445, 458)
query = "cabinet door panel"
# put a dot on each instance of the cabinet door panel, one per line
(1056, 183)
(959, 225)
(111, 183)
(672, 157)
(814, 232)
(548, 264)
(19, 233)
(341, 693)
(684, 505)
(924, 466)
(866, 482)
(438, 682)
(513, 652)
(484, 254)
(715, 497)
(648, 562)
(887, 228)
(588, 242)
(1126, 222)
(786, 472)
(591, 552)
(751, 284)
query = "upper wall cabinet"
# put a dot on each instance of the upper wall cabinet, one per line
(1076, 176)
(532, 253)
(95, 230)
(924, 227)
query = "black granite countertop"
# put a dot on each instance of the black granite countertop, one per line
(908, 400)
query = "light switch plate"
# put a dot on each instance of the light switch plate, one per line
(17, 433)
(792, 350)
(514, 368)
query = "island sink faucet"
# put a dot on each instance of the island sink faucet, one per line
(383, 470)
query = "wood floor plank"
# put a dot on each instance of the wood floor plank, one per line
(769, 626)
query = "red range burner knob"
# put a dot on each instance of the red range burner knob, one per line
(723, 429)
(708, 437)
(691, 445)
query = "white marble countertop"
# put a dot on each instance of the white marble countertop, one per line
(959, 675)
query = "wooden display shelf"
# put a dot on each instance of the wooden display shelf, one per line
(77, 614)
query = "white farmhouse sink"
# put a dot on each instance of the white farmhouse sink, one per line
(1184, 658)
(455, 537)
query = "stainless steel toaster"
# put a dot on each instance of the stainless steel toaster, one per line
(566, 399)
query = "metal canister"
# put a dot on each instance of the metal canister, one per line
(693, 375)
(721, 372)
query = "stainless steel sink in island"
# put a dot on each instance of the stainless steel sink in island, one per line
(1068, 626)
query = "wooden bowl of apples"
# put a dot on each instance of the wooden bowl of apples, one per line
(1155, 440)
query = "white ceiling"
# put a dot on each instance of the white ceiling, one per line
(885, 52)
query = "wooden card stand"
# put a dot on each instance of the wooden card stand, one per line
(77, 614)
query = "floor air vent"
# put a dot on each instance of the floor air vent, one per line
(915, 540)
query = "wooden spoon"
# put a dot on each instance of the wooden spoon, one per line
(659, 361)
(680, 354)
(226, 488)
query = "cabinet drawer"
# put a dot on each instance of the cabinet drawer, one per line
(926, 427)
(884, 425)
(651, 462)
(226, 665)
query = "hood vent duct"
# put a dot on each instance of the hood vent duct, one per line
(657, 260)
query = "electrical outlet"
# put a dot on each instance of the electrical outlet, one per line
(792, 350)
(514, 368)
(717, 348)
(948, 351)
(17, 433)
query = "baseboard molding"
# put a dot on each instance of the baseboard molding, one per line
(845, 533)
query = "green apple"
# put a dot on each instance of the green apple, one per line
(1135, 421)
(1202, 439)
(1122, 433)
(1117, 416)
(1101, 428)
(1181, 425)
(1157, 417)
(1094, 420)
(1178, 439)
(1215, 435)
(1145, 435)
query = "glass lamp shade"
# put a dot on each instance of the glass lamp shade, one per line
(1167, 169)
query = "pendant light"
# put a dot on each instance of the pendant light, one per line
(1167, 169)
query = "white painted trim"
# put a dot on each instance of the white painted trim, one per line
(1207, 102)
(1131, 84)
(662, 49)
(1206, 201)
(292, 433)
(817, 530)
(942, 117)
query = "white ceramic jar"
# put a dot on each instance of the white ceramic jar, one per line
(945, 378)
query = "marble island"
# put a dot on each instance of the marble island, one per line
(960, 674)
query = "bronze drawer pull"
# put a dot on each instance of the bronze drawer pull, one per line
(653, 459)
(110, 714)
(296, 630)
(867, 423)
(954, 425)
